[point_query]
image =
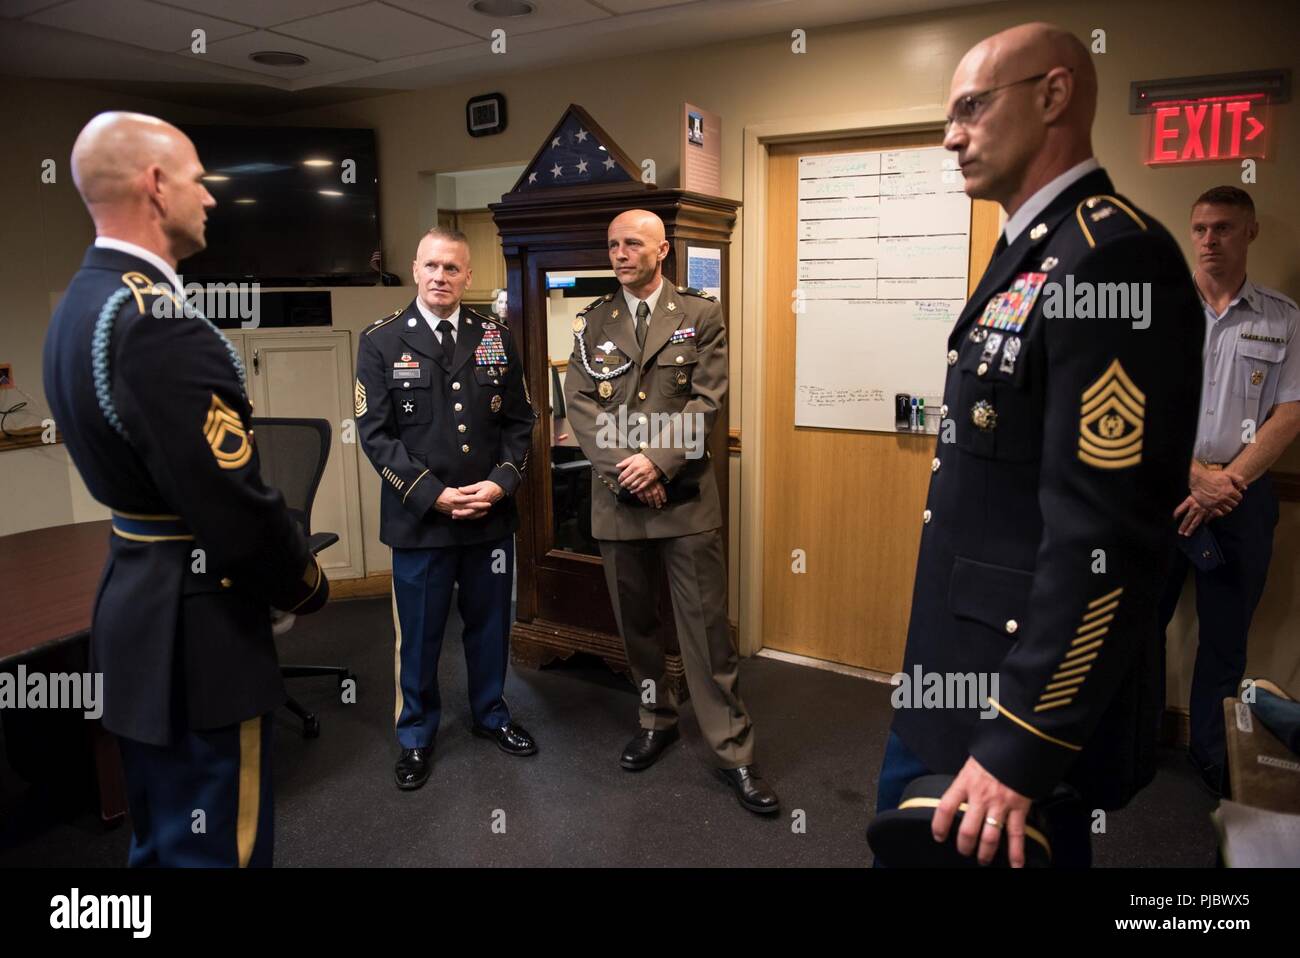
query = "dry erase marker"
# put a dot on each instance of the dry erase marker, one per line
(902, 404)
(913, 416)
(920, 414)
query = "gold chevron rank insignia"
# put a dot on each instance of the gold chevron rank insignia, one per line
(359, 398)
(1111, 421)
(226, 436)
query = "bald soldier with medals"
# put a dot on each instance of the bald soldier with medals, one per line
(1065, 440)
(644, 385)
(153, 404)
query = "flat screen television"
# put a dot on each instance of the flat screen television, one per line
(291, 209)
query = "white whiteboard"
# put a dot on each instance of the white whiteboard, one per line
(883, 256)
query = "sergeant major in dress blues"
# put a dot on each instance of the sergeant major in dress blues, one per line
(155, 414)
(444, 415)
(1046, 527)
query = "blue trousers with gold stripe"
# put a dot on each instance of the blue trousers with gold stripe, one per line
(225, 775)
(422, 587)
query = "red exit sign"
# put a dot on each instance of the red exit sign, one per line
(1208, 128)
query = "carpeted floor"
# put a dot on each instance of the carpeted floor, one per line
(819, 737)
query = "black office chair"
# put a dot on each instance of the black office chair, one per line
(293, 453)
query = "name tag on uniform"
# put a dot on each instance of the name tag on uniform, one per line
(1009, 310)
(406, 373)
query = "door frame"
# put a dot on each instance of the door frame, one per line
(758, 138)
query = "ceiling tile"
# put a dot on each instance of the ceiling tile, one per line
(636, 6)
(137, 22)
(21, 8)
(234, 53)
(265, 13)
(377, 31)
(547, 15)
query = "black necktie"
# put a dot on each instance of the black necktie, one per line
(1001, 246)
(448, 344)
(642, 317)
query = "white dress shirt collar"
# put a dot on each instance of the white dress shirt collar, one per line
(650, 300)
(122, 246)
(1033, 206)
(434, 320)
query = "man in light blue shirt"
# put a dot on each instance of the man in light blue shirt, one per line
(1250, 413)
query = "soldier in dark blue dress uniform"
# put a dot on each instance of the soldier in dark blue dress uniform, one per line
(1065, 439)
(152, 405)
(443, 414)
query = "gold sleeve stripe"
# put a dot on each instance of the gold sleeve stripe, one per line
(1081, 649)
(1051, 705)
(1106, 598)
(414, 484)
(1109, 607)
(1066, 673)
(1066, 684)
(1058, 694)
(1088, 636)
(1092, 625)
(1029, 728)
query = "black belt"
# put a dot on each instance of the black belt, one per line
(142, 528)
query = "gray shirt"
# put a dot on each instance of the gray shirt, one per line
(1252, 363)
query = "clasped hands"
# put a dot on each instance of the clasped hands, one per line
(641, 477)
(1212, 494)
(469, 502)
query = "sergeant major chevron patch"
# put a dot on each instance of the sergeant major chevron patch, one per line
(1111, 418)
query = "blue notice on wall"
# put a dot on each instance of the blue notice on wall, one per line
(704, 269)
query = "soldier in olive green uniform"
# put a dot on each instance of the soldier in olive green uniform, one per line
(643, 389)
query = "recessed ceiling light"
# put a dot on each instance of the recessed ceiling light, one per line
(317, 162)
(503, 8)
(278, 58)
(245, 201)
(329, 192)
(215, 178)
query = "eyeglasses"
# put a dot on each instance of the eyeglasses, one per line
(969, 108)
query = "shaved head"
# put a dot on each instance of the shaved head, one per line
(642, 221)
(140, 179)
(637, 246)
(1021, 107)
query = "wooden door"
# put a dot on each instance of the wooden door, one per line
(850, 500)
(309, 375)
(485, 251)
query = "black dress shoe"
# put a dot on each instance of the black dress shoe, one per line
(646, 747)
(511, 738)
(413, 767)
(1211, 775)
(752, 792)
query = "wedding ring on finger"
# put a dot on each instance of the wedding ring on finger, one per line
(992, 822)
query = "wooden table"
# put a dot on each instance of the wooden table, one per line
(48, 580)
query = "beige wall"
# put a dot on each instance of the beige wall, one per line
(888, 65)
